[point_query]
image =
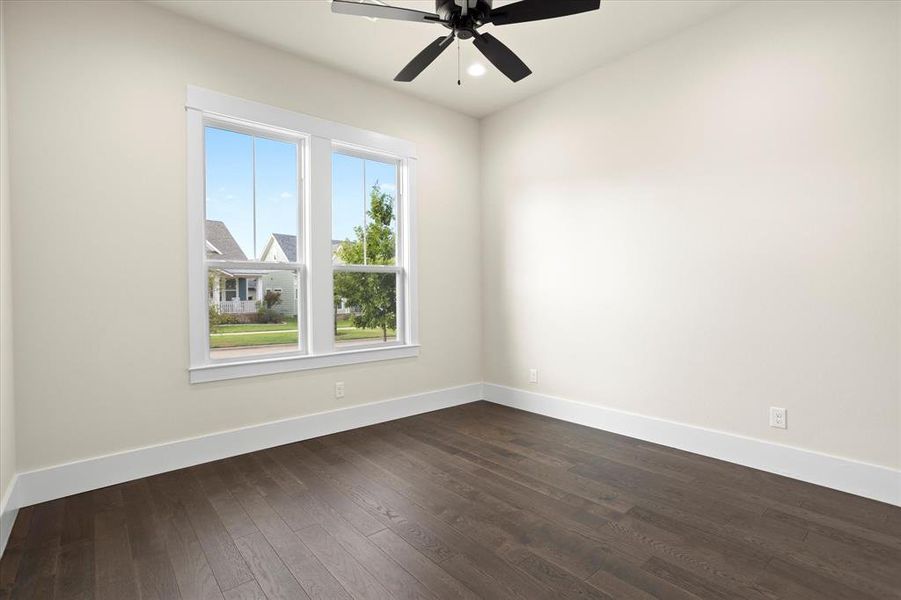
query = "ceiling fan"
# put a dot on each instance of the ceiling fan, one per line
(463, 18)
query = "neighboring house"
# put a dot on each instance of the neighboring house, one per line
(336, 245)
(231, 291)
(281, 248)
(239, 291)
(220, 244)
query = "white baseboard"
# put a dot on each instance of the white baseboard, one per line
(9, 508)
(863, 479)
(58, 481)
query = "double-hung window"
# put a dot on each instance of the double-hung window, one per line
(366, 256)
(301, 245)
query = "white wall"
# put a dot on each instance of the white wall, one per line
(7, 405)
(97, 93)
(687, 233)
(708, 227)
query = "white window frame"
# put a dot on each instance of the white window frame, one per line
(318, 138)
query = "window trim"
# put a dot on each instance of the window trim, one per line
(314, 268)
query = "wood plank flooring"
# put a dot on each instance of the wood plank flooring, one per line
(478, 501)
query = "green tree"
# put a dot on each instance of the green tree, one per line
(373, 295)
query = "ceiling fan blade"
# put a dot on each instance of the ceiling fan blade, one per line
(424, 59)
(501, 57)
(380, 11)
(536, 10)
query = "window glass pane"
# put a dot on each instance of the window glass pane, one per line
(347, 201)
(365, 308)
(251, 197)
(276, 200)
(252, 312)
(364, 211)
(229, 195)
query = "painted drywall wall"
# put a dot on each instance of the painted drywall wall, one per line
(7, 403)
(709, 227)
(97, 93)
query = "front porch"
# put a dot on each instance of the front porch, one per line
(235, 307)
(235, 294)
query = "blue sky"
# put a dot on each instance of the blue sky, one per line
(230, 187)
(349, 202)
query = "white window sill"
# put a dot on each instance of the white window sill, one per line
(286, 364)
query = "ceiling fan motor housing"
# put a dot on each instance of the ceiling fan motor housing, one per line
(464, 26)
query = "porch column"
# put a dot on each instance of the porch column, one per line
(216, 291)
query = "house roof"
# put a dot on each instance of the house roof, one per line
(336, 245)
(221, 245)
(288, 244)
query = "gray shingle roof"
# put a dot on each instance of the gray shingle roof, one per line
(288, 244)
(218, 235)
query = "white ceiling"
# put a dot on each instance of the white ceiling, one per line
(555, 50)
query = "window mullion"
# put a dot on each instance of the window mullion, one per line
(319, 248)
(365, 218)
(253, 174)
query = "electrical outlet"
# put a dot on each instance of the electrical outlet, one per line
(778, 417)
(339, 389)
(533, 375)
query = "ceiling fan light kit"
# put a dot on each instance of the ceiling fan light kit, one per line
(464, 18)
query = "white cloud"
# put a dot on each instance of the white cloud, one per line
(285, 195)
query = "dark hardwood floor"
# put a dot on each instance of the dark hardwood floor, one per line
(478, 501)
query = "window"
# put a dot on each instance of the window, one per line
(252, 199)
(364, 244)
(301, 237)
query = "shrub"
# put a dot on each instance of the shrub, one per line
(269, 315)
(271, 298)
(217, 318)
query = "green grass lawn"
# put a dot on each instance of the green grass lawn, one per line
(288, 325)
(257, 339)
(269, 334)
(347, 332)
(254, 334)
(362, 334)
